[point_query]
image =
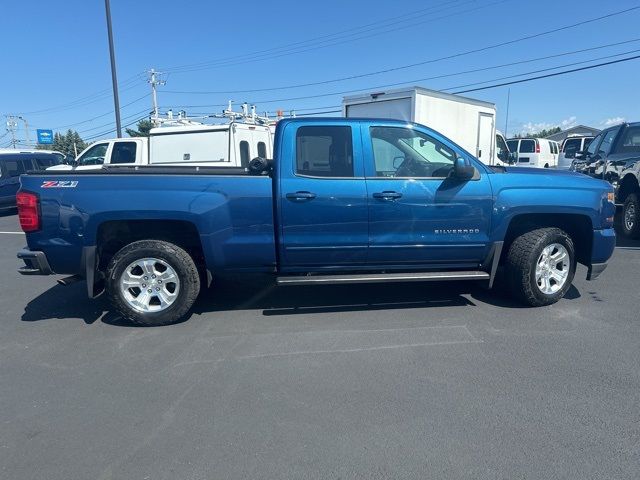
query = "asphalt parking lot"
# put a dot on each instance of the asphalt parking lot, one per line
(387, 381)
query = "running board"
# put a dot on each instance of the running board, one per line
(383, 278)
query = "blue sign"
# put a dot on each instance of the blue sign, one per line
(45, 137)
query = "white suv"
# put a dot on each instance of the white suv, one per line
(534, 152)
(570, 147)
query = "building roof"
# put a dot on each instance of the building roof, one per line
(578, 129)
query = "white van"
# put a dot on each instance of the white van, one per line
(534, 152)
(572, 145)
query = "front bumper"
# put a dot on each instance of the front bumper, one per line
(35, 263)
(604, 243)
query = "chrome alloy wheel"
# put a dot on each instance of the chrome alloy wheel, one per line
(149, 285)
(630, 216)
(552, 268)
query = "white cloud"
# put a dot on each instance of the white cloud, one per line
(530, 127)
(612, 121)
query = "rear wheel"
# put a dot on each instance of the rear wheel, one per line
(631, 216)
(152, 282)
(541, 265)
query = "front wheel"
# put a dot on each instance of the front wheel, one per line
(152, 282)
(631, 217)
(541, 265)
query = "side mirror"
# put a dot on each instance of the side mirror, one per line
(581, 155)
(513, 158)
(463, 169)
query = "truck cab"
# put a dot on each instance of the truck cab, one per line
(117, 151)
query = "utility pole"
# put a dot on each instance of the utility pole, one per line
(114, 78)
(12, 125)
(154, 81)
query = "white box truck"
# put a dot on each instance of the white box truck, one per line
(469, 122)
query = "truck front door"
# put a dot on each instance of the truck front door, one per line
(419, 214)
(322, 196)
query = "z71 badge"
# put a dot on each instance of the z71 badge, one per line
(59, 184)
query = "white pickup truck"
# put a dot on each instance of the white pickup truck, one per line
(233, 144)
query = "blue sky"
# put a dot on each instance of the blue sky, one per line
(56, 73)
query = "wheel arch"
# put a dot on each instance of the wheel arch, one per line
(579, 227)
(113, 235)
(627, 185)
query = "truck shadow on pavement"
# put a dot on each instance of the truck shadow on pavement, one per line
(261, 293)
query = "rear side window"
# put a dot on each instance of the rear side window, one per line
(123, 152)
(244, 153)
(527, 146)
(324, 152)
(630, 141)
(15, 167)
(42, 162)
(262, 149)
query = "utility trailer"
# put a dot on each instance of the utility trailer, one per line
(469, 122)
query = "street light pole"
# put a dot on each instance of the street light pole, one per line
(114, 78)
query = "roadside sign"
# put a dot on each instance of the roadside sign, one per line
(45, 137)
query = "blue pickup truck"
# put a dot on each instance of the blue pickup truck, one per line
(343, 201)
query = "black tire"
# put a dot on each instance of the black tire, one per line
(521, 263)
(179, 260)
(631, 228)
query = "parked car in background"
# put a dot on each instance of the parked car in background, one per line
(534, 152)
(571, 146)
(614, 155)
(14, 163)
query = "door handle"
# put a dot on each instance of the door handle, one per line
(299, 196)
(387, 195)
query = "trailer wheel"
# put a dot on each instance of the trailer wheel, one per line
(540, 266)
(152, 282)
(631, 217)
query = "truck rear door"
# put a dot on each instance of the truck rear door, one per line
(418, 214)
(322, 196)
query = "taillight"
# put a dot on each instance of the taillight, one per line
(537, 146)
(28, 211)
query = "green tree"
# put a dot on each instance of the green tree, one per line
(68, 143)
(143, 129)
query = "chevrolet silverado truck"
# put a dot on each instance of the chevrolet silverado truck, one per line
(342, 201)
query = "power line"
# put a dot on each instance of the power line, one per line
(377, 33)
(102, 94)
(550, 75)
(274, 51)
(102, 115)
(436, 77)
(447, 57)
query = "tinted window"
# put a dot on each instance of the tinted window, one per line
(630, 141)
(95, 155)
(404, 152)
(262, 149)
(587, 142)
(527, 146)
(607, 141)
(513, 145)
(244, 153)
(571, 146)
(16, 167)
(324, 152)
(123, 152)
(594, 143)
